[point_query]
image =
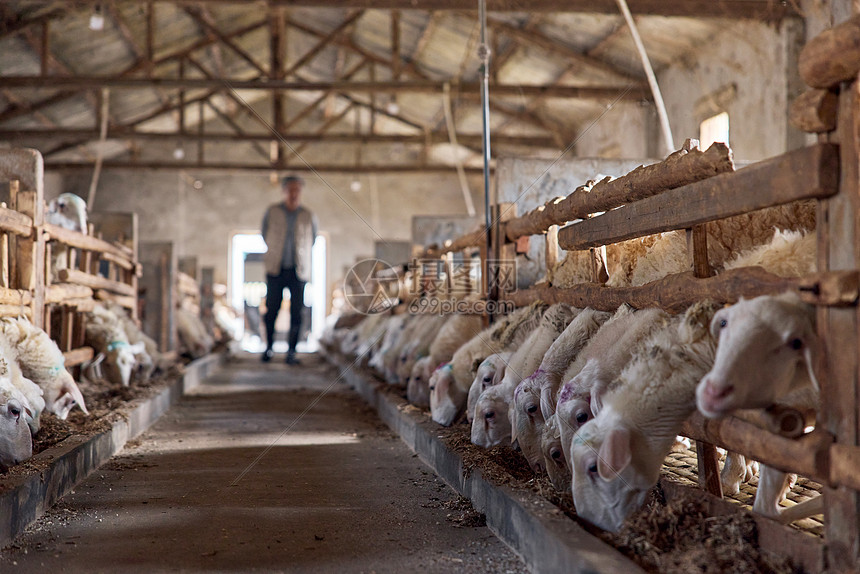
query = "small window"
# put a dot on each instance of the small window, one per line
(714, 129)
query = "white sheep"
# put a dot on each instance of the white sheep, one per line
(598, 365)
(31, 395)
(418, 385)
(492, 423)
(69, 211)
(368, 336)
(489, 373)
(42, 361)
(449, 389)
(419, 346)
(555, 463)
(617, 456)
(148, 357)
(726, 237)
(194, 340)
(393, 327)
(766, 352)
(16, 439)
(105, 334)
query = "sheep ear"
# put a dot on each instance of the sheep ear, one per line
(614, 455)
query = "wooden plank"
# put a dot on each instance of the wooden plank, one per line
(15, 222)
(807, 455)
(839, 332)
(59, 292)
(83, 241)
(807, 173)
(78, 356)
(31, 254)
(833, 56)
(845, 466)
(677, 292)
(14, 296)
(15, 311)
(80, 305)
(685, 166)
(96, 282)
(126, 301)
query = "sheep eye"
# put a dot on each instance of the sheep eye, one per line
(723, 323)
(592, 468)
(796, 344)
(582, 418)
(489, 415)
(555, 454)
(488, 379)
(15, 411)
(531, 409)
(432, 388)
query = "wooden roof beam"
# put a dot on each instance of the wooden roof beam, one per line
(268, 167)
(323, 43)
(211, 29)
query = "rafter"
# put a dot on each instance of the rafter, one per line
(211, 29)
(465, 90)
(240, 135)
(754, 9)
(66, 166)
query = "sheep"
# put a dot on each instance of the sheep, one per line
(69, 211)
(616, 456)
(489, 373)
(194, 340)
(449, 388)
(598, 365)
(668, 253)
(105, 334)
(42, 361)
(557, 468)
(28, 392)
(455, 332)
(369, 337)
(419, 347)
(492, 423)
(16, 439)
(772, 335)
(391, 361)
(147, 357)
(393, 327)
(418, 385)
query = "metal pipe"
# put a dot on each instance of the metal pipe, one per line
(484, 55)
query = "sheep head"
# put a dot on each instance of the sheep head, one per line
(488, 373)
(446, 398)
(766, 349)
(492, 424)
(119, 362)
(528, 421)
(553, 455)
(16, 442)
(609, 482)
(417, 387)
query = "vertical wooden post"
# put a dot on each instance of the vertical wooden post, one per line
(159, 275)
(706, 453)
(837, 231)
(31, 254)
(14, 187)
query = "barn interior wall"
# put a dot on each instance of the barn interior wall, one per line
(748, 71)
(200, 221)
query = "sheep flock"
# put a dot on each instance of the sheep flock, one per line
(596, 400)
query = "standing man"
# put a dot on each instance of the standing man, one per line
(289, 231)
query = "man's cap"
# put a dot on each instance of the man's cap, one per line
(290, 179)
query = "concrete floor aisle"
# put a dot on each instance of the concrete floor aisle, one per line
(204, 490)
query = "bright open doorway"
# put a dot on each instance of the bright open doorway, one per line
(248, 293)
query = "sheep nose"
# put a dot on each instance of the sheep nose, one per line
(715, 391)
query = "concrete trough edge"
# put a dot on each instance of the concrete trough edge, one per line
(547, 542)
(73, 459)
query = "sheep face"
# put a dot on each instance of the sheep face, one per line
(491, 425)
(64, 395)
(766, 335)
(490, 372)
(606, 484)
(553, 454)
(446, 399)
(417, 387)
(16, 442)
(573, 411)
(118, 365)
(528, 422)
